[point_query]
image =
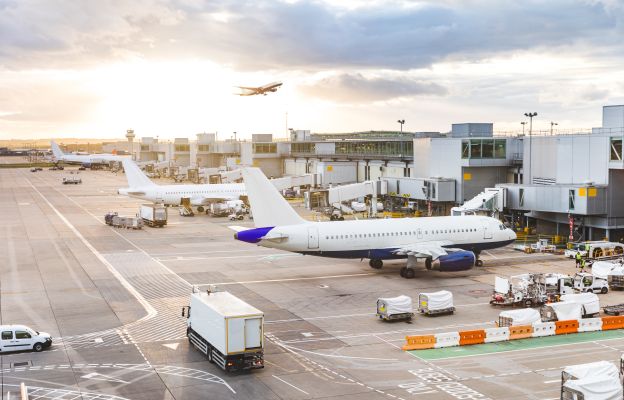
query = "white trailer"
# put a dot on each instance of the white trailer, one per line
(154, 215)
(229, 331)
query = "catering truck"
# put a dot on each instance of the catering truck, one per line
(153, 214)
(226, 329)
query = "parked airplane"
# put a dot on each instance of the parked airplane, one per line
(140, 186)
(263, 90)
(445, 243)
(83, 159)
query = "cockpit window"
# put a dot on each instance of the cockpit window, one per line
(501, 227)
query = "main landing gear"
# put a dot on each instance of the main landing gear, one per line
(478, 262)
(375, 263)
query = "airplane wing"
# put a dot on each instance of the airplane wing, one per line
(206, 200)
(434, 249)
(255, 89)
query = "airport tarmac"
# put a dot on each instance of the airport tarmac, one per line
(112, 299)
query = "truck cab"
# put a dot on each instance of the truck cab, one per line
(21, 337)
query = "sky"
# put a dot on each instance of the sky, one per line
(169, 68)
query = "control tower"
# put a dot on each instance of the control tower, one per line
(130, 136)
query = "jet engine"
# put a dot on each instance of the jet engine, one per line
(455, 261)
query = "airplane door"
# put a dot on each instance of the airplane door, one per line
(419, 233)
(313, 240)
(487, 233)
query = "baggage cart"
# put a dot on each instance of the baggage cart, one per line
(435, 303)
(395, 308)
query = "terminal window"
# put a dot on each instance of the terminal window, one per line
(182, 147)
(616, 149)
(263, 148)
(484, 148)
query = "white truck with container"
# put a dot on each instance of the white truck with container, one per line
(227, 330)
(154, 215)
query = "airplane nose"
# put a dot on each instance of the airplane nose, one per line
(512, 234)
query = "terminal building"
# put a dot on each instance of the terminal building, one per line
(549, 181)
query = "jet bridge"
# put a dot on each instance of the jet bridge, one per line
(491, 202)
(335, 196)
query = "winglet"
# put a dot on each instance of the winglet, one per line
(268, 206)
(136, 177)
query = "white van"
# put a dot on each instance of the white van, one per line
(20, 338)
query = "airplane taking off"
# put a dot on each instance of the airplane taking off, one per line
(82, 159)
(445, 243)
(263, 90)
(140, 186)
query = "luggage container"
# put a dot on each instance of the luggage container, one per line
(395, 308)
(594, 381)
(525, 316)
(440, 302)
(154, 215)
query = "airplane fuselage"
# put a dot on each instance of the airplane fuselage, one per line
(89, 159)
(198, 194)
(381, 238)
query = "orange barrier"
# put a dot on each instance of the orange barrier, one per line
(419, 342)
(520, 332)
(615, 322)
(565, 327)
(471, 337)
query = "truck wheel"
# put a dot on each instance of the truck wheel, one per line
(38, 347)
(604, 290)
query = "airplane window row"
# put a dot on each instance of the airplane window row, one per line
(203, 192)
(387, 234)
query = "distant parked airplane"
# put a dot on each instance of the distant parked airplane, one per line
(83, 159)
(140, 186)
(263, 90)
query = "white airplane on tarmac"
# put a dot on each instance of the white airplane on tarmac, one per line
(140, 186)
(445, 243)
(83, 159)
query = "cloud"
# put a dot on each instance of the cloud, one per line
(356, 88)
(301, 34)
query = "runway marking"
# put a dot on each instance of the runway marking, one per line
(151, 312)
(291, 385)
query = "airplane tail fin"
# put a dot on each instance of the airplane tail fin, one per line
(268, 206)
(56, 150)
(136, 177)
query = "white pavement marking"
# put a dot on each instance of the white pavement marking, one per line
(172, 346)
(151, 312)
(291, 385)
(337, 356)
(286, 279)
(553, 381)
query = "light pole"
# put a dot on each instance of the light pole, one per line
(552, 124)
(523, 125)
(235, 136)
(530, 115)
(401, 121)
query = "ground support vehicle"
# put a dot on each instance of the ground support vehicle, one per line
(395, 308)
(526, 289)
(218, 210)
(108, 218)
(594, 381)
(617, 309)
(237, 216)
(587, 283)
(154, 215)
(127, 222)
(435, 303)
(71, 180)
(227, 330)
(21, 337)
(598, 250)
(615, 278)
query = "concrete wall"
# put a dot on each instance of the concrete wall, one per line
(476, 179)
